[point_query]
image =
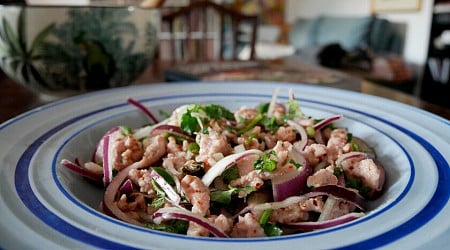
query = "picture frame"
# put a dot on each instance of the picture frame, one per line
(382, 6)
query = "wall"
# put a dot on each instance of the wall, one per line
(417, 23)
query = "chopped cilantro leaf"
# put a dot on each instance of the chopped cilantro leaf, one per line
(358, 185)
(338, 171)
(230, 174)
(270, 123)
(172, 226)
(217, 112)
(224, 196)
(263, 108)
(349, 137)
(189, 124)
(194, 147)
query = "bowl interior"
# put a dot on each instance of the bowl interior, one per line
(389, 153)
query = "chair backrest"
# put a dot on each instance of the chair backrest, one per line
(206, 31)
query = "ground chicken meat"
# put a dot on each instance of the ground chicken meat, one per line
(247, 227)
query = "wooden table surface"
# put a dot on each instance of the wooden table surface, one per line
(16, 99)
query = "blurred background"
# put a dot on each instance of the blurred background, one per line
(403, 45)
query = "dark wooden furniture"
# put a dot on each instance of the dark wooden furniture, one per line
(205, 31)
(16, 99)
(435, 85)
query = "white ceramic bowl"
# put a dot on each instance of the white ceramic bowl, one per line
(38, 198)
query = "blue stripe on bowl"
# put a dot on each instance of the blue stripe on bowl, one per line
(23, 187)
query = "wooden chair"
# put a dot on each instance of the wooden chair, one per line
(206, 31)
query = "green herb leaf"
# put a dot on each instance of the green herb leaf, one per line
(167, 177)
(251, 124)
(230, 174)
(194, 147)
(160, 198)
(225, 196)
(272, 230)
(218, 112)
(125, 130)
(189, 124)
(172, 226)
(270, 123)
(267, 161)
(263, 108)
(294, 110)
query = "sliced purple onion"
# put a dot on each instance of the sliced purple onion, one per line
(127, 187)
(109, 205)
(309, 226)
(168, 213)
(340, 192)
(171, 129)
(302, 131)
(142, 108)
(364, 147)
(166, 187)
(107, 160)
(225, 163)
(351, 155)
(98, 154)
(320, 125)
(293, 183)
(81, 171)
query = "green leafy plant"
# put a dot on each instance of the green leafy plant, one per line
(15, 52)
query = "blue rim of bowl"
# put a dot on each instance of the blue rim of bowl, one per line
(432, 208)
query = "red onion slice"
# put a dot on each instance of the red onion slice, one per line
(142, 108)
(340, 193)
(294, 183)
(107, 160)
(127, 187)
(320, 125)
(175, 130)
(224, 163)
(168, 213)
(109, 204)
(81, 171)
(309, 226)
(166, 187)
(98, 154)
(351, 155)
(303, 136)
